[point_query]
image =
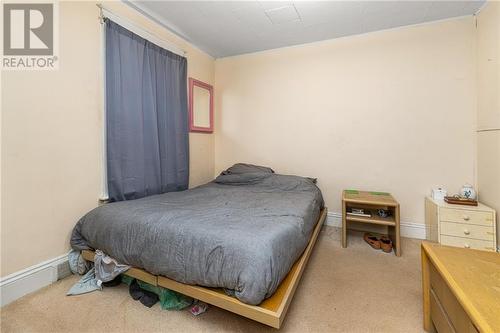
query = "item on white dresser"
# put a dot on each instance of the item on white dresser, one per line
(467, 191)
(438, 193)
(458, 200)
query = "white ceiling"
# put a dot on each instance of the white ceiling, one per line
(226, 28)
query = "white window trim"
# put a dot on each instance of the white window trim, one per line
(104, 158)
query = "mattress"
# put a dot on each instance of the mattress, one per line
(242, 232)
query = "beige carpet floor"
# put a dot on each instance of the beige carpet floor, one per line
(356, 289)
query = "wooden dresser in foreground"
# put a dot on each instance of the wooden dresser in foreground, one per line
(461, 289)
(462, 226)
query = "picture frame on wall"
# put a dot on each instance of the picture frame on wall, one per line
(201, 106)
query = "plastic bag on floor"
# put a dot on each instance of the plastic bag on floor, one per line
(169, 300)
(87, 284)
(107, 268)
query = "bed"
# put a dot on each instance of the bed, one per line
(248, 233)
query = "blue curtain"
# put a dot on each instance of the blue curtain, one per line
(146, 116)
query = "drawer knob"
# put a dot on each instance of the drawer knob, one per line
(466, 232)
(466, 218)
(467, 246)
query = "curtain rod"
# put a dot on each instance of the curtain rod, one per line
(126, 23)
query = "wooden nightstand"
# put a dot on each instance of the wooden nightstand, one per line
(462, 226)
(372, 201)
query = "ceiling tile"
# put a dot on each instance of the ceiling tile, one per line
(282, 14)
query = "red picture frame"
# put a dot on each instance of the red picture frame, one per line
(192, 127)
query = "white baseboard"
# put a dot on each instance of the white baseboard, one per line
(408, 229)
(28, 280)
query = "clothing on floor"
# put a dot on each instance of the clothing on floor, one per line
(77, 264)
(107, 268)
(147, 298)
(87, 284)
(169, 300)
(113, 283)
(134, 290)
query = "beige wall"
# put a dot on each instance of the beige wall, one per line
(390, 111)
(51, 139)
(488, 106)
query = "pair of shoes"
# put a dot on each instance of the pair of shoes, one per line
(383, 243)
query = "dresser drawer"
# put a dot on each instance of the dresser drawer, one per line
(438, 315)
(468, 243)
(446, 312)
(466, 216)
(467, 231)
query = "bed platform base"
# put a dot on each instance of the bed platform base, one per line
(270, 312)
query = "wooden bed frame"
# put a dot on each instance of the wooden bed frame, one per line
(271, 311)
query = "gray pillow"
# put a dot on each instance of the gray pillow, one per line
(240, 168)
(247, 178)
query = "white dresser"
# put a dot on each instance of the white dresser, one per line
(461, 226)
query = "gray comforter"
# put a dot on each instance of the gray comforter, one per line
(242, 232)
